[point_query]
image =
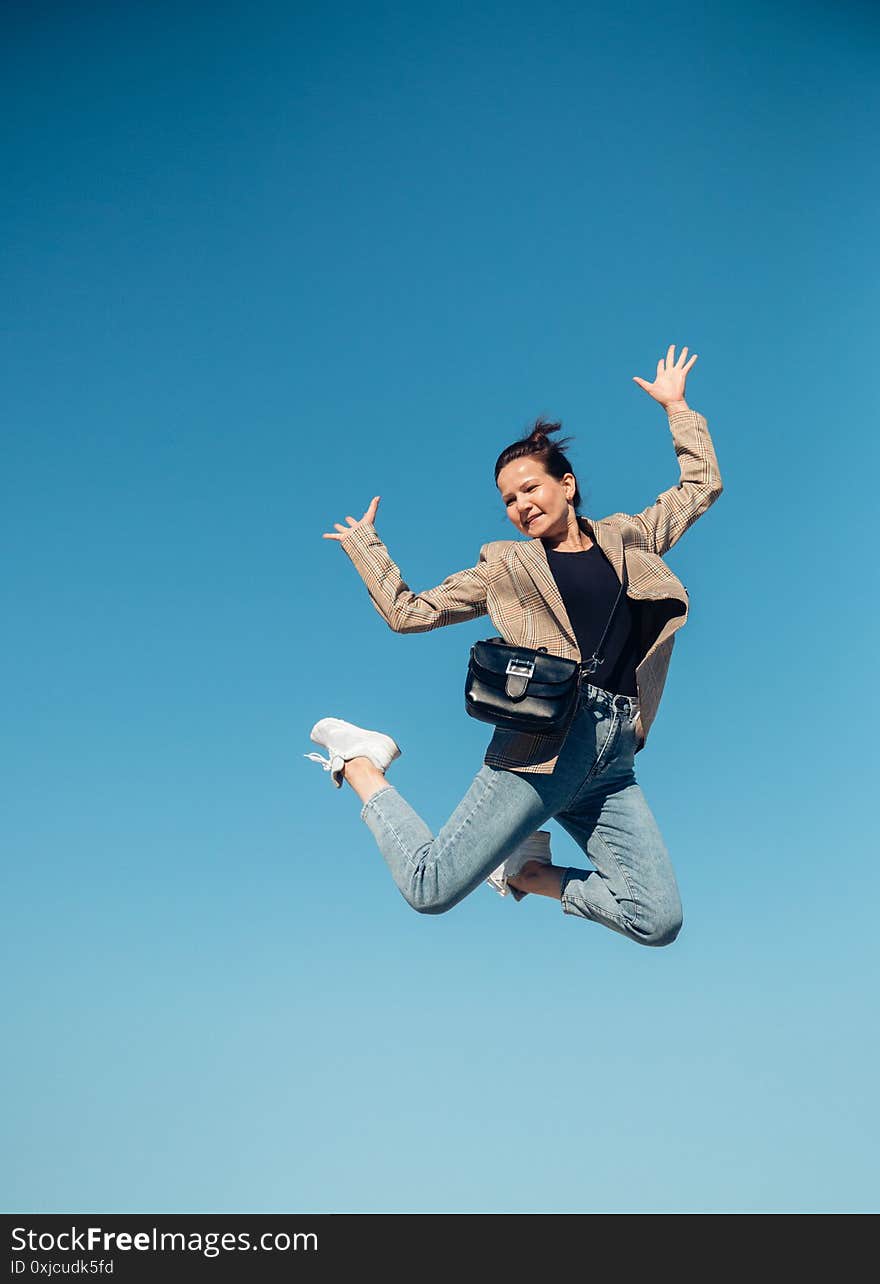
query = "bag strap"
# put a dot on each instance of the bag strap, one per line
(590, 666)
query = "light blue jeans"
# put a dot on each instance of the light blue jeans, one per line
(592, 793)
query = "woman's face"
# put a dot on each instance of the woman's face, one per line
(536, 503)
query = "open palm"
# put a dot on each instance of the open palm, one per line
(669, 384)
(345, 531)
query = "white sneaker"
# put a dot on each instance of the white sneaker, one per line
(343, 740)
(535, 847)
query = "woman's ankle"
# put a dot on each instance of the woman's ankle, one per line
(538, 877)
(364, 777)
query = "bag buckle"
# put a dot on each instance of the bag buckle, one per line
(522, 668)
(518, 673)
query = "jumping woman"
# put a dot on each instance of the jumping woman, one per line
(554, 589)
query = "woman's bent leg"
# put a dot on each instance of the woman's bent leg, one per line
(499, 810)
(633, 888)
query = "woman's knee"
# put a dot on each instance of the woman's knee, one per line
(432, 907)
(429, 899)
(660, 930)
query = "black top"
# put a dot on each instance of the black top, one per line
(589, 586)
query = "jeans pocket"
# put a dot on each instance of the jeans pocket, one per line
(621, 747)
(634, 739)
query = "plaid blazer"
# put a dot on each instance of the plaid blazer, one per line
(513, 584)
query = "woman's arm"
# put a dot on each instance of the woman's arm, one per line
(659, 526)
(460, 597)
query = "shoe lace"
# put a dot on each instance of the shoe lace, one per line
(326, 763)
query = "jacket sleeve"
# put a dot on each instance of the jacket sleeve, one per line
(658, 527)
(460, 597)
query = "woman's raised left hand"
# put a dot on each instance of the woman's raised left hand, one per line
(668, 386)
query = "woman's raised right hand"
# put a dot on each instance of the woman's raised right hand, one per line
(345, 531)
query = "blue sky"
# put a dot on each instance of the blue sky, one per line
(260, 263)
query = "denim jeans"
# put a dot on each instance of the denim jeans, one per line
(592, 793)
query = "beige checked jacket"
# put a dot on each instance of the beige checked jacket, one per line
(513, 584)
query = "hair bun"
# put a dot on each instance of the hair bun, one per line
(539, 438)
(541, 430)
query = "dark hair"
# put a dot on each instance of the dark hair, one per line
(537, 442)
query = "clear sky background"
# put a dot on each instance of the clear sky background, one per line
(261, 262)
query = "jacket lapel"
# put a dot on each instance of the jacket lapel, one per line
(643, 581)
(532, 556)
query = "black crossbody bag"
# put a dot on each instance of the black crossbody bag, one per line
(518, 689)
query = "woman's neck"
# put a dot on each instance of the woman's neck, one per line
(573, 541)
